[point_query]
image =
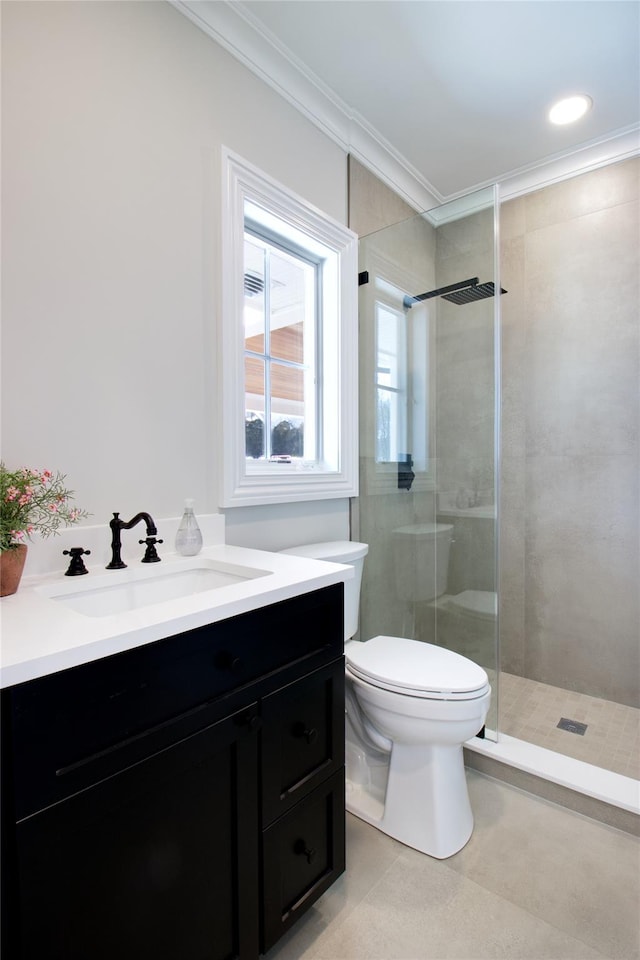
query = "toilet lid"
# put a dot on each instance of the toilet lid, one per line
(336, 551)
(416, 668)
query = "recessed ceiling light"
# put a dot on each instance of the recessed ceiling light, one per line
(570, 109)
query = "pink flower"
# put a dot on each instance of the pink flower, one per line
(17, 534)
(12, 493)
(53, 507)
(26, 497)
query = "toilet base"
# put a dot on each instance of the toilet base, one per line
(426, 805)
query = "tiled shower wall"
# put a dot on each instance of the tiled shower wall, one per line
(569, 506)
(465, 386)
(570, 414)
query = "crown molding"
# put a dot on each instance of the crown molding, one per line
(232, 26)
(620, 145)
(237, 31)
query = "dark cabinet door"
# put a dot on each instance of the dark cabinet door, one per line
(158, 861)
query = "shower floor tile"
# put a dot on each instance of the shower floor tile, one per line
(530, 711)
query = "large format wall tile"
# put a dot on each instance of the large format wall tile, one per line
(372, 205)
(582, 572)
(512, 565)
(597, 190)
(582, 334)
(570, 420)
(513, 348)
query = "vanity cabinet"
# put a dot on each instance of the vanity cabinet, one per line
(182, 799)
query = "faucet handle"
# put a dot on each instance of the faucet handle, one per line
(76, 564)
(151, 554)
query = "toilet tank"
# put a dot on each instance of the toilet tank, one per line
(340, 551)
(421, 560)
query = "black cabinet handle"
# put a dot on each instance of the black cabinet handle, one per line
(301, 849)
(252, 722)
(301, 730)
(228, 661)
(151, 731)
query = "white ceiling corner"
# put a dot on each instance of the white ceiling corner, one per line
(281, 42)
(235, 29)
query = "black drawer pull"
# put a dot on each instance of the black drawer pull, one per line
(301, 849)
(301, 730)
(251, 721)
(228, 661)
(128, 741)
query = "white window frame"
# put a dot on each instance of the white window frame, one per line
(245, 483)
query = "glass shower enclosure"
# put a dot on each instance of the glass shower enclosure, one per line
(429, 391)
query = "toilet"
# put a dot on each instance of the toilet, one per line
(410, 706)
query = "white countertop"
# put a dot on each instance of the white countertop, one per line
(41, 635)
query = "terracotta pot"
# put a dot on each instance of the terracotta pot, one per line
(11, 567)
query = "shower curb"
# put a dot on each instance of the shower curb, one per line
(582, 787)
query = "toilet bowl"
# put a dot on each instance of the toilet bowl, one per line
(410, 706)
(426, 701)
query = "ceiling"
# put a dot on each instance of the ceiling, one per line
(454, 93)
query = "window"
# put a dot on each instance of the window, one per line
(289, 346)
(391, 384)
(281, 381)
(396, 375)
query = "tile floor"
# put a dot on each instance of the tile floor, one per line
(530, 711)
(535, 881)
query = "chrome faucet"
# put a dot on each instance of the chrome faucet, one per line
(117, 525)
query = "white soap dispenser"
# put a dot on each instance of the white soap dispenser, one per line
(189, 536)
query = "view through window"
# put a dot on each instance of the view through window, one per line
(281, 287)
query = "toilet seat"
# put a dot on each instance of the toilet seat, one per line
(416, 669)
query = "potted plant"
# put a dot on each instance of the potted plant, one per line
(31, 501)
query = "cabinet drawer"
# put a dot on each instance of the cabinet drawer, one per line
(303, 738)
(117, 710)
(303, 854)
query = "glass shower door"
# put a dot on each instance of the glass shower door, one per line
(428, 449)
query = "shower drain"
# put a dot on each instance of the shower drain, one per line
(573, 726)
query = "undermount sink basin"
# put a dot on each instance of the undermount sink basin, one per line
(125, 590)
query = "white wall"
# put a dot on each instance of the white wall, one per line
(113, 117)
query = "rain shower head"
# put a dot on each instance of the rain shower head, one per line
(467, 291)
(478, 291)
